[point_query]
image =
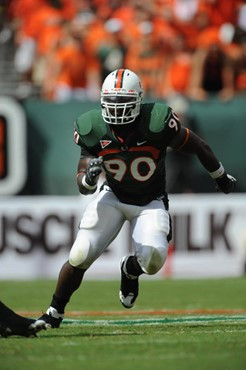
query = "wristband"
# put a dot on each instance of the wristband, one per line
(87, 186)
(218, 173)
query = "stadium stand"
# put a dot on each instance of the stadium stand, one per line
(61, 50)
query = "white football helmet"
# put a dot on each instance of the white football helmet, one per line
(121, 97)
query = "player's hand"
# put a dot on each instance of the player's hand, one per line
(226, 183)
(93, 170)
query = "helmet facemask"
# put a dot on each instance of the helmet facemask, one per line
(120, 109)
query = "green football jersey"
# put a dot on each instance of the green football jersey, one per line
(134, 168)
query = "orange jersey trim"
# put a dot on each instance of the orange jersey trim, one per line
(186, 138)
(155, 152)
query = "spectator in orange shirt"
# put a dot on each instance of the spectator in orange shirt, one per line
(176, 78)
(147, 62)
(39, 33)
(220, 11)
(72, 72)
(112, 49)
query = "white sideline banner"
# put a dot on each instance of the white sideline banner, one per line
(209, 237)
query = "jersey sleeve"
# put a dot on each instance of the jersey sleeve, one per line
(172, 126)
(79, 135)
(78, 139)
(76, 134)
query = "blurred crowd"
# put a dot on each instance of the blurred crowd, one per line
(65, 48)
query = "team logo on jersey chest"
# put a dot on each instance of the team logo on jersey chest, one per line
(105, 143)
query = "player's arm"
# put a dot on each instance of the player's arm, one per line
(188, 142)
(89, 170)
(89, 167)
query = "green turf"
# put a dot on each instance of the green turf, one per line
(133, 342)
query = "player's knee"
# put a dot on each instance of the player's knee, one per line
(80, 254)
(154, 260)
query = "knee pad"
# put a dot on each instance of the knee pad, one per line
(79, 255)
(152, 260)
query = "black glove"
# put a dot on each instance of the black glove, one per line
(93, 171)
(226, 183)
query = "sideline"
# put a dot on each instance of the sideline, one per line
(148, 321)
(143, 312)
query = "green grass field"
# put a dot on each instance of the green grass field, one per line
(176, 324)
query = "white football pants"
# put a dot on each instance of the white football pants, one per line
(102, 221)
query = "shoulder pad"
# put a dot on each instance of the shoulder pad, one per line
(153, 116)
(90, 127)
(84, 124)
(158, 117)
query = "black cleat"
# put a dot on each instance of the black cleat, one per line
(128, 287)
(23, 327)
(50, 321)
(3, 330)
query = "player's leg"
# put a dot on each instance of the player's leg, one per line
(100, 224)
(13, 324)
(150, 231)
(68, 282)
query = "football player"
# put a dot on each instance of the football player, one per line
(127, 140)
(14, 324)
